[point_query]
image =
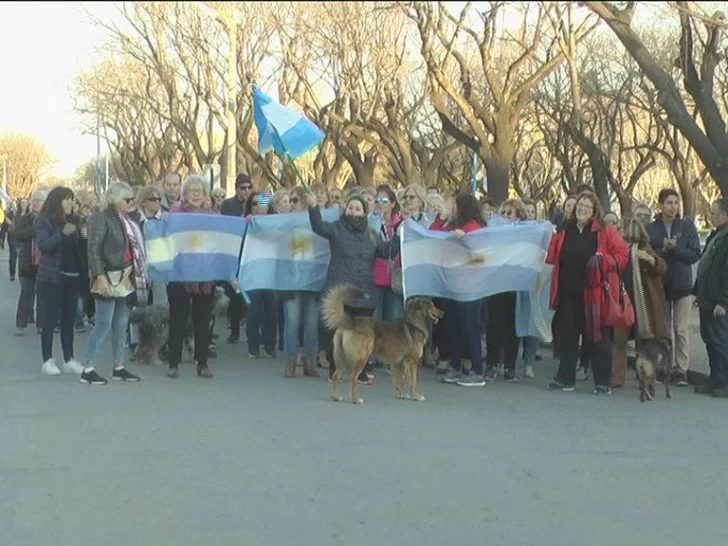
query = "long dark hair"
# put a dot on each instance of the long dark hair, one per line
(249, 204)
(22, 211)
(468, 208)
(53, 207)
(386, 188)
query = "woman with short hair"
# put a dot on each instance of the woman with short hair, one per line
(194, 297)
(118, 271)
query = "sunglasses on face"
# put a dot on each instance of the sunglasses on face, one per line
(335, 197)
(409, 197)
(155, 199)
(294, 200)
(129, 200)
(382, 200)
(245, 187)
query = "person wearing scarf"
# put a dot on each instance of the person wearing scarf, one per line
(117, 269)
(194, 297)
(643, 280)
(585, 255)
(354, 248)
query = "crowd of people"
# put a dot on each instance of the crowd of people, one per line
(83, 266)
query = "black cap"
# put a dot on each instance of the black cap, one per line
(242, 179)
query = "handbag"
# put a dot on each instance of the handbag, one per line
(620, 311)
(120, 284)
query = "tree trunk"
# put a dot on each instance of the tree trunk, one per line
(497, 169)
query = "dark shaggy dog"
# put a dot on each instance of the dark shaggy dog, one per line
(653, 356)
(153, 327)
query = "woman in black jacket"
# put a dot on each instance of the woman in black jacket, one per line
(354, 248)
(28, 257)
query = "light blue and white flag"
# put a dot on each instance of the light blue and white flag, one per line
(282, 129)
(194, 247)
(504, 258)
(281, 252)
(533, 315)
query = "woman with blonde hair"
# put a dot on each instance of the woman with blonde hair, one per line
(414, 203)
(281, 201)
(117, 269)
(642, 279)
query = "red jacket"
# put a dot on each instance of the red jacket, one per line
(439, 225)
(609, 243)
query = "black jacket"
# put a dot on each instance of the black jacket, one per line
(678, 281)
(107, 243)
(711, 287)
(352, 252)
(232, 207)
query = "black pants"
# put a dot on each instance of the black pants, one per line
(29, 296)
(573, 327)
(12, 258)
(501, 340)
(714, 333)
(440, 333)
(556, 334)
(59, 302)
(180, 305)
(262, 323)
(235, 309)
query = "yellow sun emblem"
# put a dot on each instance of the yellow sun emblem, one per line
(301, 244)
(476, 258)
(195, 241)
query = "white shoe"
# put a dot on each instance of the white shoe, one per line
(73, 366)
(49, 368)
(529, 372)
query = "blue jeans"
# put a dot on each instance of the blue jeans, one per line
(262, 319)
(389, 304)
(464, 333)
(530, 346)
(302, 310)
(111, 316)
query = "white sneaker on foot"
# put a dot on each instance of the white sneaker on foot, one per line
(73, 366)
(529, 372)
(49, 368)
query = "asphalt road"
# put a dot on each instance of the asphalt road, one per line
(252, 458)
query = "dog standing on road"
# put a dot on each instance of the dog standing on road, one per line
(399, 342)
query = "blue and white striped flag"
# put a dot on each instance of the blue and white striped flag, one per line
(504, 258)
(533, 315)
(281, 252)
(194, 247)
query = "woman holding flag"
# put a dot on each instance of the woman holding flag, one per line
(354, 249)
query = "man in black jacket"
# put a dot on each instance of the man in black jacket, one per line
(711, 290)
(677, 241)
(235, 206)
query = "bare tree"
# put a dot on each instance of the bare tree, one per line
(497, 66)
(26, 161)
(710, 140)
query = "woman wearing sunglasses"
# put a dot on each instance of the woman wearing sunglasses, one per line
(117, 268)
(389, 304)
(149, 209)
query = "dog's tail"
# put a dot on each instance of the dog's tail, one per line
(332, 307)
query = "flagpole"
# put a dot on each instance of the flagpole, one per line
(107, 172)
(98, 156)
(474, 173)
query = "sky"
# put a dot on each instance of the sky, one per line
(43, 45)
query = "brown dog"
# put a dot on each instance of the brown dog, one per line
(399, 342)
(652, 356)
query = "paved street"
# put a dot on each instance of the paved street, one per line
(253, 458)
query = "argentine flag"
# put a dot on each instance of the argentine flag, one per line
(491, 260)
(194, 247)
(281, 252)
(282, 129)
(533, 314)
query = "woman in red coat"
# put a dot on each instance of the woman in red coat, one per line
(582, 253)
(463, 317)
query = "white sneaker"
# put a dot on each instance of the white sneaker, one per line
(73, 366)
(49, 368)
(529, 372)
